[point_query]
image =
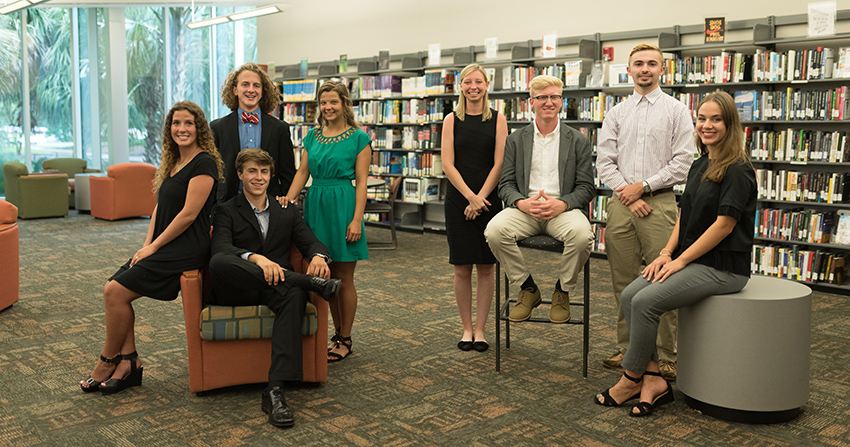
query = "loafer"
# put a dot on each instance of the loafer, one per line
(465, 345)
(560, 311)
(615, 361)
(274, 404)
(525, 302)
(328, 289)
(667, 369)
(481, 346)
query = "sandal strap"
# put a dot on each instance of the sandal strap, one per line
(633, 379)
(652, 373)
(111, 361)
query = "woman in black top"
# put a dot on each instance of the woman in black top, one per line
(708, 252)
(473, 146)
(178, 239)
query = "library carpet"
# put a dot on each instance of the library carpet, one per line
(405, 385)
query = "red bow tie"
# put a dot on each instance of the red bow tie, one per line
(250, 118)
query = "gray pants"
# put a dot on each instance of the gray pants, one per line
(645, 301)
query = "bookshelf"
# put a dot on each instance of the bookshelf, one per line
(794, 121)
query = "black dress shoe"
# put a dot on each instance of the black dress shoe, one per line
(481, 346)
(274, 404)
(325, 288)
(464, 345)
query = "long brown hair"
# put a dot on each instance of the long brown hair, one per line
(170, 150)
(347, 109)
(730, 149)
(460, 110)
(271, 96)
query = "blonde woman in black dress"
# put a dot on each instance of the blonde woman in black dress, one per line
(473, 146)
(177, 240)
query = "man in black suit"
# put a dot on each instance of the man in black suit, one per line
(251, 240)
(252, 96)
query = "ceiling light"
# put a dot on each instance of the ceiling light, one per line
(265, 10)
(18, 5)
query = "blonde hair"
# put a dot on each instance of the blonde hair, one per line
(271, 96)
(347, 110)
(460, 110)
(170, 150)
(730, 149)
(544, 81)
(645, 47)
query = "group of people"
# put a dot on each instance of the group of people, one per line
(223, 195)
(238, 175)
(543, 176)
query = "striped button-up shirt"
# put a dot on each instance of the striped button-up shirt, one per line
(646, 138)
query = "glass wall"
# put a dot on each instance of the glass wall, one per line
(166, 62)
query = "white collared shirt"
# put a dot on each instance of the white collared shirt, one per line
(544, 163)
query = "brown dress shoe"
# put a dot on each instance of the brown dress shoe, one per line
(615, 361)
(526, 301)
(667, 369)
(560, 311)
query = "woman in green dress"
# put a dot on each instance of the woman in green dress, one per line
(336, 152)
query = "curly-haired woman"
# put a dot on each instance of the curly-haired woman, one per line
(177, 240)
(252, 96)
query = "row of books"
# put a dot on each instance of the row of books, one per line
(797, 145)
(801, 225)
(797, 264)
(406, 111)
(421, 190)
(301, 90)
(412, 138)
(298, 132)
(518, 78)
(599, 239)
(796, 186)
(793, 104)
(298, 112)
(406, 163)
(378, 86)
(763, 66)
(598, 208)
(433, 82)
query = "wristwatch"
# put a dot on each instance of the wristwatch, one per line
(646, 188)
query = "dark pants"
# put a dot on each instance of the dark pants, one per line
(237, 282)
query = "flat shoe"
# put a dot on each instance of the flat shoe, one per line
(481, 346)
(465, 345)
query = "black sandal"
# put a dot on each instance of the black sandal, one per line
(340, 341)
(94, 385)
(645, 408)
(134, 378)
(609, 401)
(334, 340)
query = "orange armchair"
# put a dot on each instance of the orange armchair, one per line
(126, 191)
(222, 363)
(9, 260)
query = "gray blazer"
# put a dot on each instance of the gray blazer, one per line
(575, 167)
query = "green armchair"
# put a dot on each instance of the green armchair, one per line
(69, 166)
(37, 195)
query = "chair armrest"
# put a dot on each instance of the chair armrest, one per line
(191, 286)
(90, 170)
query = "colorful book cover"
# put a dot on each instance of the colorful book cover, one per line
(715, 30)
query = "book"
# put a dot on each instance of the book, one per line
(618, 75)
(744, 101)
(384, 60)
(715, 30)
(343, 63)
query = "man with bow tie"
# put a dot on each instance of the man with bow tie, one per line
(251, 95)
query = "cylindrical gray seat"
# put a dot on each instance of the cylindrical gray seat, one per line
(745, 356)
(83, 195)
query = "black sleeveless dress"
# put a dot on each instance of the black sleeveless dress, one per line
(474, 147)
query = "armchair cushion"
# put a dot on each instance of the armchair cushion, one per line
(248, 322)
(39, 195)
(126, 191)
(9, 255)
(69, 166)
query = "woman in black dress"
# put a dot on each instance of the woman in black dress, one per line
(178, 239)
(473, 147)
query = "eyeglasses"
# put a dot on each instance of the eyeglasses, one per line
(543, 98)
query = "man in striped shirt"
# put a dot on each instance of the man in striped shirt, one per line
(646, 146)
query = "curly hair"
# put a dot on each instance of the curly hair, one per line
(170, 151)
(347, 111)
(271, 95)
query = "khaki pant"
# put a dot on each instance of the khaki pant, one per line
(512, 225)
(628, 239)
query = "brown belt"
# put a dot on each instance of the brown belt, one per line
(660, 191)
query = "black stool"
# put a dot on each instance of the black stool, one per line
(548, 243)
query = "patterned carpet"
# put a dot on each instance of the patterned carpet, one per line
(405, 385)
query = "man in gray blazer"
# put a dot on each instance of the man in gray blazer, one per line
(546, 185)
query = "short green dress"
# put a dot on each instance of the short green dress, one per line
(329, 206)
